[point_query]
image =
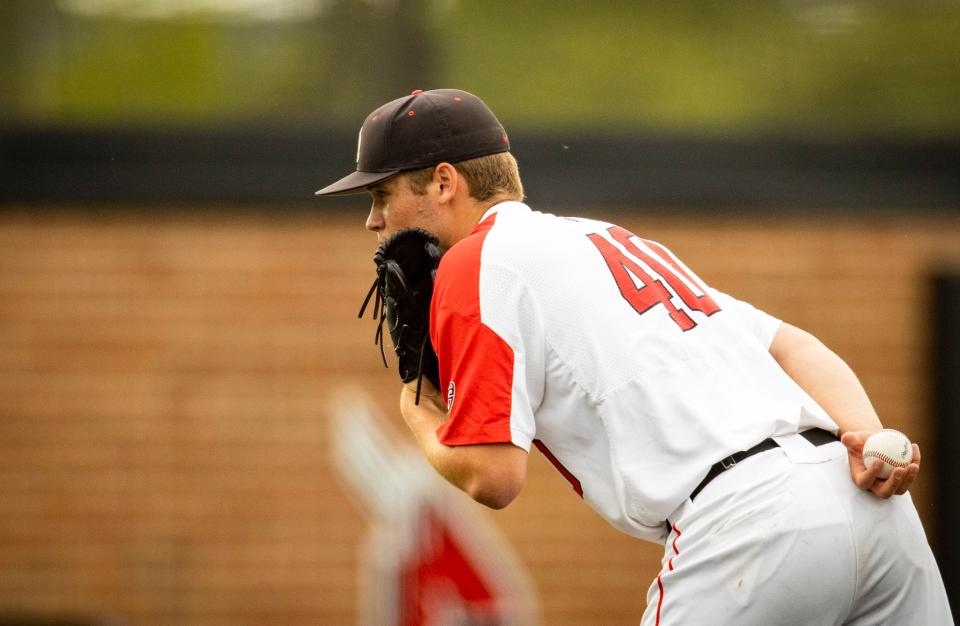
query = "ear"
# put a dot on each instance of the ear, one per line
(447, 179)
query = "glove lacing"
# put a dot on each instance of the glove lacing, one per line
(380, 305)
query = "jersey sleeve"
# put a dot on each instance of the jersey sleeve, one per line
(489, 346)
(762, 325)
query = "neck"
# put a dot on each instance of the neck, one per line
(470, 216)
(482, 207)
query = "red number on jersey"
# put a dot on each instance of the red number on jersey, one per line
(652, 292)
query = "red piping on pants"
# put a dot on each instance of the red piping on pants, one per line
(670, 566)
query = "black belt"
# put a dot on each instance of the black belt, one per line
(816, 436)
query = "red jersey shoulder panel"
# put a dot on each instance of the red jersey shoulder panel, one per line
(476, 365)
(458, 275)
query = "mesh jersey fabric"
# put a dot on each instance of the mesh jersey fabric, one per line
(537, 340)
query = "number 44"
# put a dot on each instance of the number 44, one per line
(652, 291)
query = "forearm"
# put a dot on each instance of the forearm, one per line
(826, 378)
(423, 421)
(491, 474)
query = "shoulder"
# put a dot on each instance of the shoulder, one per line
(462, 261)
(516, 241)
(464, 258)
(484, 261)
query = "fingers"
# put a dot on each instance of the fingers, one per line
(886, 488)
(900, 479)
(898, 483)
(911, 473)
(865, 477)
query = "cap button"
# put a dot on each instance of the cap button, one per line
(416, 91)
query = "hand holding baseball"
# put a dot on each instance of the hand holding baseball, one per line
(868, 477)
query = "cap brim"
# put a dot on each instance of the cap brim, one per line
(357, 182)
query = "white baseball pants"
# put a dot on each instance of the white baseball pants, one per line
(786, 537)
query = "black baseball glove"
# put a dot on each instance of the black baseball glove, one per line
(406, 267)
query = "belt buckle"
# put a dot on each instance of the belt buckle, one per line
(728, 462)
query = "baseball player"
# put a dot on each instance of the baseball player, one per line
(679, 413)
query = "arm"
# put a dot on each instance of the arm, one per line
(492, 474)
(831, 382)
(826, 377)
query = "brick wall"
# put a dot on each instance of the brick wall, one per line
(163, 388)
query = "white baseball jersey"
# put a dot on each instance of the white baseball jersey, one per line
(610, 355)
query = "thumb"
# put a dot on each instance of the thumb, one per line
(854, 440)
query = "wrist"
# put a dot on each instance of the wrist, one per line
(428, 394)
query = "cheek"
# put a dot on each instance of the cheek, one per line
(426, 211)
(396, 216)
(409, 212)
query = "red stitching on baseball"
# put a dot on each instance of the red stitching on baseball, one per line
(886, 459)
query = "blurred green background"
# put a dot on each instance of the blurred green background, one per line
(839, 68)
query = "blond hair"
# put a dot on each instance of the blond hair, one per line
(487, 177)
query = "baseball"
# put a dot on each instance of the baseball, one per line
(890, 446)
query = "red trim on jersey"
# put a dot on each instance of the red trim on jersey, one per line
(560, 467)
(473, 357)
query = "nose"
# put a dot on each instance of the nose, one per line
(375, 220)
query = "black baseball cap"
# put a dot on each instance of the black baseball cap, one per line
(420, 130)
